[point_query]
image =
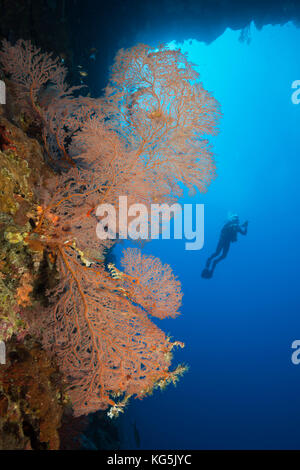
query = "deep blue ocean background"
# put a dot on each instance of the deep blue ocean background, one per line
(242, 390)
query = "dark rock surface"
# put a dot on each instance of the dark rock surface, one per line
(88, 33)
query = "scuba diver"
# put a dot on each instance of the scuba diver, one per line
(228, 235)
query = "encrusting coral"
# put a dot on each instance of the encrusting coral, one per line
(148, 134)
(22, 168)
(32, 398)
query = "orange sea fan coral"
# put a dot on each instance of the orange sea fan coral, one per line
(105, 343)
(153, 284)
(148, 134)
(32, 72)
(30, 69)
(164, 114)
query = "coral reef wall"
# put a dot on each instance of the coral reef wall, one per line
(31, 399)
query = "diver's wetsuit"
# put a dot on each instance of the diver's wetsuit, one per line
(228, 235)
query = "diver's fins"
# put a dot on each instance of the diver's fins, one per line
(206, 273)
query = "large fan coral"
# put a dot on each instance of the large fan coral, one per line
(148, 134)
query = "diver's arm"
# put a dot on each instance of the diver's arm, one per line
(244, 230)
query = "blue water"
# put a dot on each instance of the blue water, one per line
(242, 390)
